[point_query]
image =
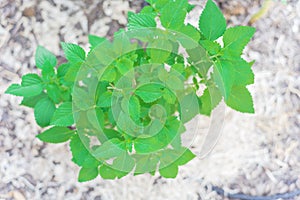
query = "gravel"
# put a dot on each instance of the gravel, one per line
(256, 154)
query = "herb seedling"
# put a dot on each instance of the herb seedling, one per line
(133, 94)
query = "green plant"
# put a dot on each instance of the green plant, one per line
(132, 96)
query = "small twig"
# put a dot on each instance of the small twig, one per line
(288, 195)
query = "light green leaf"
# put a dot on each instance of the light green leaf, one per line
(235, 39)
(110, 149)
(170, 171)
(224, 76)
(73, 52)
(125, 65)
(160, 50)
(43, 112)
(63, 115)
(105, 99)
(145, 163)
(169, 19)
(44, 58)
(53, 92)
(124, 163)
(212, 47)
(210, 99)
(138, 21)
(150, 92)
(87, 174)
(56, 135)
(212, 23)
(189, 107)
(95, 41)
(240, 99)
(31, 86)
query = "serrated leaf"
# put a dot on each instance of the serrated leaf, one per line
(95, 41)
(170, 20)
(87, 174)
(32, 101)
(110, 149)
(240, 99)
(224, 76)
(31, 86)
(140, 21)
(73, 52)
(212, 23)
(210, 99)
(63, 115)
(235, 39)
(56, 135)
(44, 58)
(81, 155)
(43, 112)
(149, 92)
(212, 47)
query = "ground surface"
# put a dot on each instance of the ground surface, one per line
(256, 154)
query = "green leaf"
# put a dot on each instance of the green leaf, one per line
(240, 99)
(107, 172)
(73, 52)
(235, 39)
(189, 107)
(160, 50)
(124, 163)
(212, 23)
(53, 92)
(105, 99)
(224, 76)
(134, 108)
(145, 163)
(149, 92)
(185, 156)
(81, 155)
(210, 99)
(32, 101)
(212, 47)
(43, 112)
(63, 115)
(190, 36)
(125, 65)
(169, 19)
(87, 174)
(56, 135)
(31, 86)
(44, 58)
(170, 171)
(138, 21)
(95, 41)
(110, 149)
